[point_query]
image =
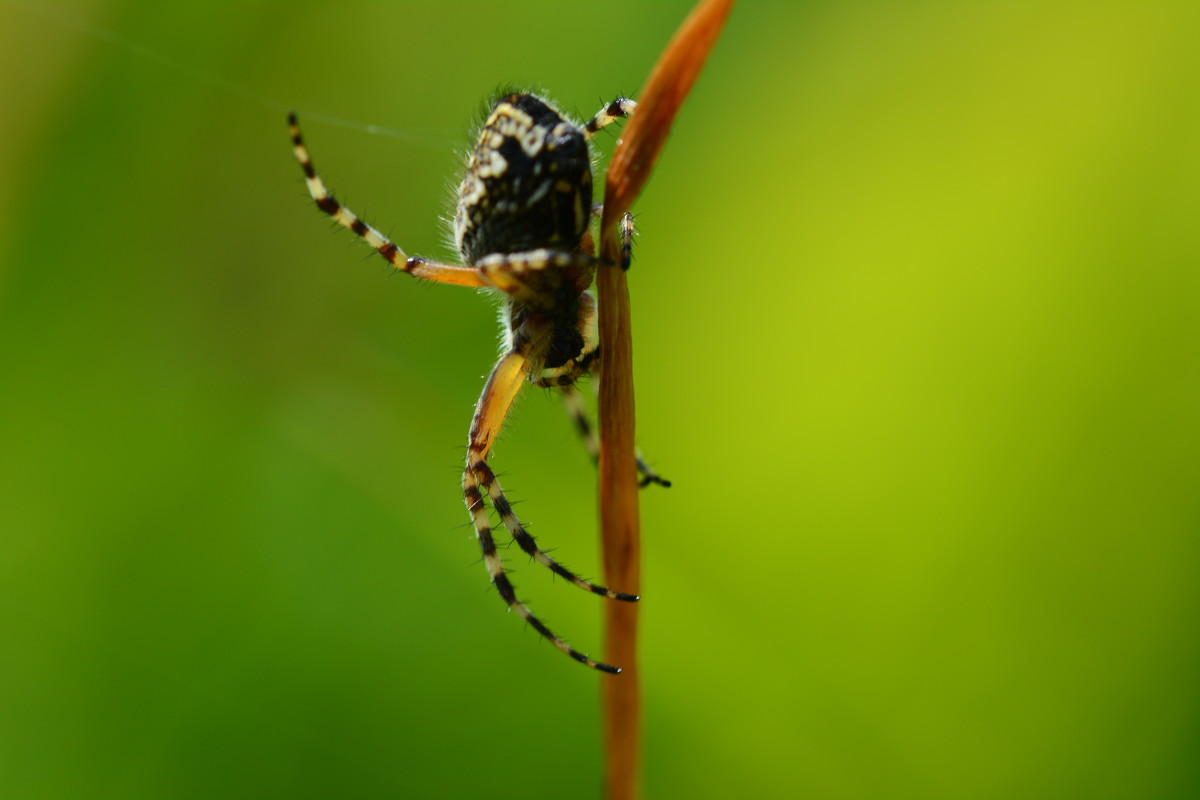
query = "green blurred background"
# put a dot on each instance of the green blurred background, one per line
(916, 311)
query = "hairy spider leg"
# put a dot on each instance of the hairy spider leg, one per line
(627, 232)
(626, 239)
(506, 271)
(418, 267)
(483, 430)
(618, 109)
(570, 372)
(494, 403)
(574, 404)
(565, 377)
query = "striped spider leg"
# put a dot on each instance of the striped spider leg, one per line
(418, 267)
(564, 377)
(583, 426)
(521, 227)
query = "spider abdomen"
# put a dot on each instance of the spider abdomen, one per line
(528, 183)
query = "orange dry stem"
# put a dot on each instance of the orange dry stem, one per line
(642, 140)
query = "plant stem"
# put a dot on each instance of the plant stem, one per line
(621, 533)
(620, 527)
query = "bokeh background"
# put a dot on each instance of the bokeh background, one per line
(916, 307)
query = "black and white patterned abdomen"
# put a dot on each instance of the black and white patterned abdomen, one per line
(528, 183)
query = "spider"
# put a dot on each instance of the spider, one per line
(521, 227)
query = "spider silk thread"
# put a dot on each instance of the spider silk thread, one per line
(111, 37)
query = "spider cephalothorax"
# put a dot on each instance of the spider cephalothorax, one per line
(521, 226)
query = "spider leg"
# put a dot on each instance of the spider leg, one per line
(487, 422)
(568, 373)
(649, 476)
(478, 478)
(627, 232)
(418, 267)
(627, 240)
(618, 109)
(514, 273)
(575, 410)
